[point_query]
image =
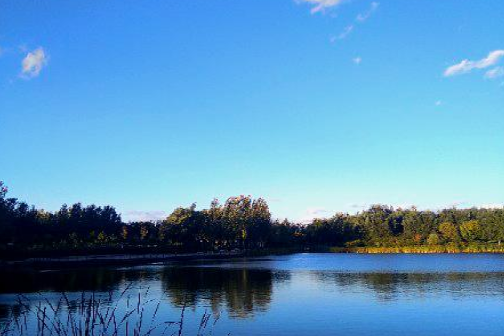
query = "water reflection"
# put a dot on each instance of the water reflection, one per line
(242, 292)
(391, 286)
(73, 280)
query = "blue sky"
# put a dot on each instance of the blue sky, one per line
(316, 105)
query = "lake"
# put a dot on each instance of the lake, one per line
(299, 294)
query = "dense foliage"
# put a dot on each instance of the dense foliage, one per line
(242, 222)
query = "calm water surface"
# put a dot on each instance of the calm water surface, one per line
(300, 294)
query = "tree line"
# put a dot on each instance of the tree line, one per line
(242, 222)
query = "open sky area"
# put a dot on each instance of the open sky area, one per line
(316, 105)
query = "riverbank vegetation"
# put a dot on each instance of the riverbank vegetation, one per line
(99, 314)
(244, 223)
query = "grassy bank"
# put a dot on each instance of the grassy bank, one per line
(422, 249)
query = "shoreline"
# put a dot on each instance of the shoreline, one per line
(114, 259)
(426, 250)
(129, 259)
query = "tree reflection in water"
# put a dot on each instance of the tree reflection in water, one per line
(242, 292)
(101, 279)
(389, 286)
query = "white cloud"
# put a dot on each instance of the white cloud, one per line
(467, 66)
(316, 211)
(359, 206)
(357, 60)
(321, 5)
(360, 19)
(492, 206)
(495, 73)
(456, 204)
(364, 16)
(343, 35)
(33, 63)
(312, 213)
(139, 215)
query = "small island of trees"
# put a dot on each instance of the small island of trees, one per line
(244, 223)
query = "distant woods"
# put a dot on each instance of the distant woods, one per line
(245, 223)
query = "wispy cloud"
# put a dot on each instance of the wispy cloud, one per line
(366, 15)
(359, 206)
(495, 73)
(33, 63)
(438, 103)
(360, 19)
(139, 215)
(456, 204)
(343, 35)
(316, 211)
(492, 206)
(312, 213)
(321, 5)
(466, 66)
(357, 60)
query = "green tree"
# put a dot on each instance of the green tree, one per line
(449, 232)
(470, 231)
(433, 239)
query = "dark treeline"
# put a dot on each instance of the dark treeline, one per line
(242, 222)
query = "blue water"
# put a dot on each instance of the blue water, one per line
(300, 294)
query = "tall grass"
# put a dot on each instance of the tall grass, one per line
(471, 248)
(97, 315)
